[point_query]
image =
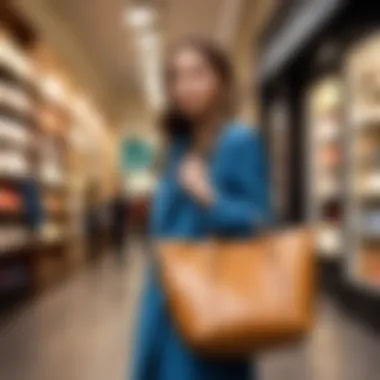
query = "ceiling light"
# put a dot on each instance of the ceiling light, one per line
(140, 16)
(52, 88)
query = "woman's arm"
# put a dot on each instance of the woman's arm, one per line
(244, 161)
(241, 161)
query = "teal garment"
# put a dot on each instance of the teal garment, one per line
(239, 174)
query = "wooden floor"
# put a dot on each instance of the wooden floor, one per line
(82, 330)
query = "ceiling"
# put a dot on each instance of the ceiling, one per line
(99, 28)
(101, 48)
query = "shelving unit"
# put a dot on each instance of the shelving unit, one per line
(17, 160)
(325, 164)
(343, 48)
(55, 146)
(35, 157)
(53, 240)
(363, 208)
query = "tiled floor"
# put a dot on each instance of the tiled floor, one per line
(82, 331)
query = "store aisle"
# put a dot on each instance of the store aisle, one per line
(81, 331)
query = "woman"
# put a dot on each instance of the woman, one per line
(214, 183)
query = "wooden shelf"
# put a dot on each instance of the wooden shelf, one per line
(15, 253)
(8, 75)
(26, 120)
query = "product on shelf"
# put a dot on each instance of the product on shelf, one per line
(369, 266)
(12, 237)
(368, 184)
(13, 132)
(327, 188)
(330, 156)
(14, 97)
(326, 129)
(52, 232)
(14, 59)
(51, 174)
(10, 200)
(13, 164)
(325, 180)
(366, 149)
(54, 204)
(329, 239)
(364, 116)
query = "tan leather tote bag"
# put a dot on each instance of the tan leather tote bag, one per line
(235, 297)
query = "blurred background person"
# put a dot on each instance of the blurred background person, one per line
(119, 212)
(93, 225)
(202, 192)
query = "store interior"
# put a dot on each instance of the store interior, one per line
(79, 102)
(80, 97)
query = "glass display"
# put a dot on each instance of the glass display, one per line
(324, 174)
(363, 79)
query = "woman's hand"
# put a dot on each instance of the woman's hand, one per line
(194, 179)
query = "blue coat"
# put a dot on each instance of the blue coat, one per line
(239, 174)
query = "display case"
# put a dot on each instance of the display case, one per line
(334, 81)
(324, 151)
(363, 162)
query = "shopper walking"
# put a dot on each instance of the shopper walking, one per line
(215, 182)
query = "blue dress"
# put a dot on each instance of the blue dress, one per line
(239, 174)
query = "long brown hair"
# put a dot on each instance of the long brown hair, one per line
(174, 123)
